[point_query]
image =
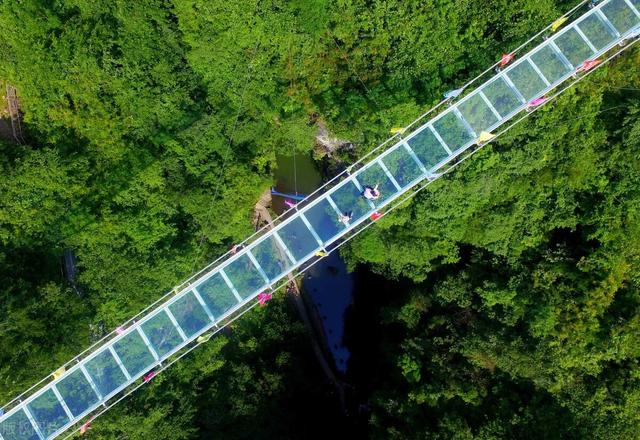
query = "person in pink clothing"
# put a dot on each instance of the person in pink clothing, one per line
(370, 193)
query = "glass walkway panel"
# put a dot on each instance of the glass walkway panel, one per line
(216, 295)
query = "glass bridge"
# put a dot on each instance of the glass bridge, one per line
(220, 292)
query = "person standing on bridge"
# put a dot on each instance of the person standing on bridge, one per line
(235, 248)
(370, 193)
(345, 218)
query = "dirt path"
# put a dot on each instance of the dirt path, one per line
(10, 116)
(261, 212)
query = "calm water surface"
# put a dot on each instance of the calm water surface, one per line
(327, 283)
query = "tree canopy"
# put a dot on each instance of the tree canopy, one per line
(153, 127)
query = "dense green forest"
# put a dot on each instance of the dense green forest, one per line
(153, 127)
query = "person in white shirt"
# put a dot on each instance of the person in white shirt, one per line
(370, 193)
(345, 218)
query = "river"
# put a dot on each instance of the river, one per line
(328, 285)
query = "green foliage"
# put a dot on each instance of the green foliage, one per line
(527, 259)
(153, 127)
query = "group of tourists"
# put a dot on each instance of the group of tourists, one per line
(369, 193)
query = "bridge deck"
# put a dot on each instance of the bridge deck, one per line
(211, 299)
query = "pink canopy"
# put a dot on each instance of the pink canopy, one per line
(536, 102)
(506, 59)
(588, 65)
(264, 297)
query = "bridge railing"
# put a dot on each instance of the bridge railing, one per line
(214, 296)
